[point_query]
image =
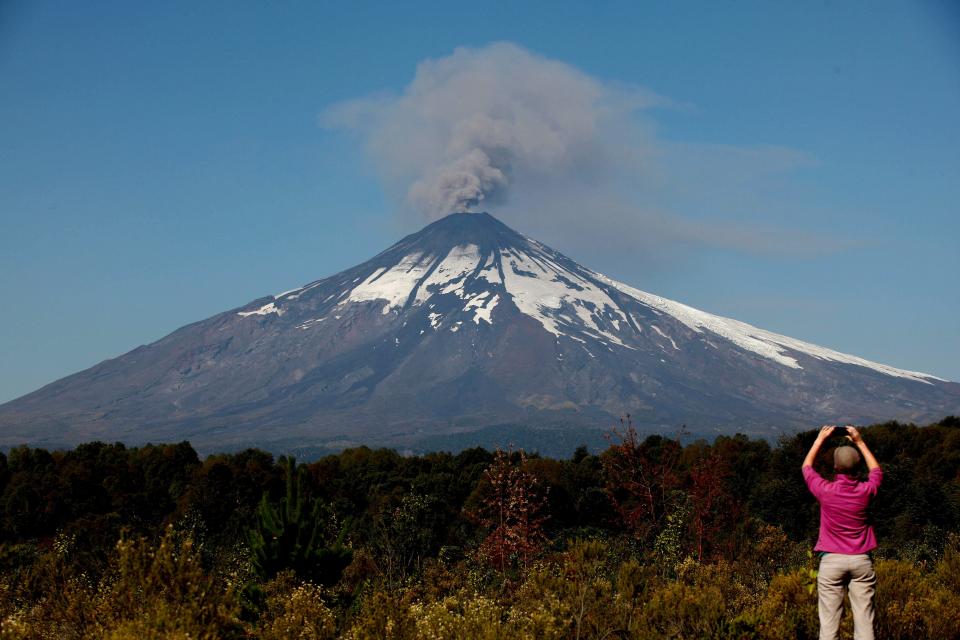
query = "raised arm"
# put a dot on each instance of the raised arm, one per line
(825, 432)
(855, 437)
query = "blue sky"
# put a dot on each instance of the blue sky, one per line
(162, 162)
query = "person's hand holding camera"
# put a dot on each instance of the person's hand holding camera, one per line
(853, 435)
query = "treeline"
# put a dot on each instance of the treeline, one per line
(648, 539)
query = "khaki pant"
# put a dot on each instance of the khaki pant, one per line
(840, 572)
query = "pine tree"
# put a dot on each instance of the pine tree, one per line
(291, 534)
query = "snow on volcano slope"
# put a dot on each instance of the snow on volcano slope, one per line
(392, 285)
(543, 290)
(765, 343)
(566, 299)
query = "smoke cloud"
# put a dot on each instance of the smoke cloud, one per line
(474, 127)
(461, 186)
(567, 157)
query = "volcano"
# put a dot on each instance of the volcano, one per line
(466, 332)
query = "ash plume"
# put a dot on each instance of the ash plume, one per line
(474, 127)
(460, 186)
(568, 157)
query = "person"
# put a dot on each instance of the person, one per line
(846, 538)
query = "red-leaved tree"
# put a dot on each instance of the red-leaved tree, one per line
(639, 477)
(712, 506)
(513, 510)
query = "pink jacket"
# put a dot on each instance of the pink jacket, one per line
(843, 511)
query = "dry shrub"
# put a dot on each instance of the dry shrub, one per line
(735, 595)
(707, 600)
(151, 592)
(543, 615)
(947, 571)
(681, 610)
(770, 552)
(942, 616)
(440, 579)
(295, 611)
(462, 617)
(44, 600)
(361, 571)
(788, 611)
(164, 592)
(576, 596)
(590, 590)
(383, 616)
(899, 601)
(911, 604)
(543, 606)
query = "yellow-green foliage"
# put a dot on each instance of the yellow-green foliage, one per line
(151, 592)
(592, 589)
(577, 589)
(585, 593)
(582, 593)
(702, 541)
(704, 601)
(540, 613)
(162, 591)
(383, 616)
(789, 610)
(685, 611)
(468, 617)
(911, 604)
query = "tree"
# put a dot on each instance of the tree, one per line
(640, 478)
(292, 534)
(712, 508)
(405, 534)
(513, 510)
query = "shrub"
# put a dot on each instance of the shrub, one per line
(295, 611)
(789, 609)
(680, 610)
(162, 592)
(382, 616)
(461, 617)
(911, 604)
(899, 599)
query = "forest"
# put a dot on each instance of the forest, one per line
(649, 538)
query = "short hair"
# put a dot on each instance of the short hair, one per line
(845, 459)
